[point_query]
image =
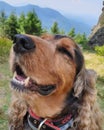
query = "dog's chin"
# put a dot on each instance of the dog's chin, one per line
(23, 83)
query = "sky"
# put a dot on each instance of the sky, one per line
(84, 8)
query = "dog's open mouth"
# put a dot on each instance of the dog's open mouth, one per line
(23, 83)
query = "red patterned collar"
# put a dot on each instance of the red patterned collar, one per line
(38, 123)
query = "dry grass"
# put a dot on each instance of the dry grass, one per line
(95, 62)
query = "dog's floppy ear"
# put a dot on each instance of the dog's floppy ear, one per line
(85, 79)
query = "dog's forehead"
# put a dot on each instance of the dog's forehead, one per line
(59, 40)
(54, 37)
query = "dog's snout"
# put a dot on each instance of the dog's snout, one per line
(23, 43)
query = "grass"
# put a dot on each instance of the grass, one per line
(5, 45)
(96, 62)
(92, 61)
(4, 94)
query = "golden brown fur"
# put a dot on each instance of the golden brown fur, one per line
(48, 64)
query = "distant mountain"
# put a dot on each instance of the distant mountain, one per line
(48, 17)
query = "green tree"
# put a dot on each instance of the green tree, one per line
(81, 38)
(22, 23)
(45, 30)
(55, 28)
(62, 32)
(12, 25)
(72, 33)
(85, 39)
(33, 24)
(3, 19)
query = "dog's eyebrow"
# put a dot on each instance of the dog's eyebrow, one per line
(65, 51)
(58, 36)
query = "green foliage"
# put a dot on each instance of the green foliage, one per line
(99, 50)
(44, 31)
(3, 25)
(82, 40)
(8, 26)
(12, 25)
(72, 33)
(22, 23)
(62, 32)
(5, 45)
(4, 94)
(55, 28)
(32, 24)
(79, 38)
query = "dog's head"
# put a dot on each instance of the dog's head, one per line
(45, 71)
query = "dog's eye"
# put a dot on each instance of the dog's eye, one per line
(45, 90)
(65, 51)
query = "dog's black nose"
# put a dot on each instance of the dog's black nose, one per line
(23, 43)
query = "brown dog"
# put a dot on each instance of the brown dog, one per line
(52, 90)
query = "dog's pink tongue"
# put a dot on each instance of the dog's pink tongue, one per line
(20, 78)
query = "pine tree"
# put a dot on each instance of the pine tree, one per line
(55, 28)
(85, 39)
(81, 38)
(62, 32)
(72, 33)
(12, 25)
(33, 24)
(22, 23)
(3, 19)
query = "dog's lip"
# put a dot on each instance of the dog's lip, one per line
(25, 84)
(23, 80)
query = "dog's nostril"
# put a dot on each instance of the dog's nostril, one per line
(23, 43)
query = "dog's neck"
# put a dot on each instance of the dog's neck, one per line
(62, 121)
(37, 123)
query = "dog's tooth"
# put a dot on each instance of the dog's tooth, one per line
(26, 82)
(14, 75)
